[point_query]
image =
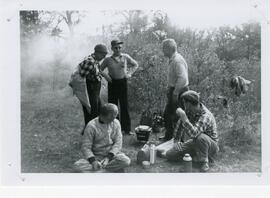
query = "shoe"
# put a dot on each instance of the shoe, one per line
(129, 133)
(195, 159)
(205, 167)
(163, 139)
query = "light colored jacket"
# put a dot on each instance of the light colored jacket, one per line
(100, 139)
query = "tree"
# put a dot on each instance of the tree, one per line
(239, 42)
(31, 24)
(161, 21)
(135, 22)
(70, 18)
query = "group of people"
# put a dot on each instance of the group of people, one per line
(187, 120)
(120, 67)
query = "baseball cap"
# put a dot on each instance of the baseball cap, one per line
(116, 42)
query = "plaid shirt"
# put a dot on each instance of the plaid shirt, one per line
(89, 68)
(202, 122)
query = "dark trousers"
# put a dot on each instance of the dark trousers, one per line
(169, 112)
(117, 92)
(93, 89)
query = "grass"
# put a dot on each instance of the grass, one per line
(51, 123)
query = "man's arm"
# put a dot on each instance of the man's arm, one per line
(194, 130)
(117, 138)
(106, 76)
(103, 66)
(133, 65)
(87, 143)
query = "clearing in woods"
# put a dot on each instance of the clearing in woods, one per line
(51, 124)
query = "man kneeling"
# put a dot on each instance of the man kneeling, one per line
(102, 143)
(199, 125)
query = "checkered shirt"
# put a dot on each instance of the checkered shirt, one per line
(202, 122)
(89, 68)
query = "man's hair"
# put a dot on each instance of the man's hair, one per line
(170, 44)
(191, 96)
(194, 103)
(108, 108)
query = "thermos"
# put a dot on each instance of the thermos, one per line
(152, 154)
(187, 163)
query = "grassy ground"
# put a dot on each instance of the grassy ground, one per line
(50, 139)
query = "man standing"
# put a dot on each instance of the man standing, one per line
(120, 67)
(199, 124)
(177, 84)
(102, 143)
(89, 69)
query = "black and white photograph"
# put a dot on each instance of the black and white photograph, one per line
(126, 90)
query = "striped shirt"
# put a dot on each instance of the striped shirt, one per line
(202, 122)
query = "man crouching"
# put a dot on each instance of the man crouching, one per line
(102, 143)
(197, 126)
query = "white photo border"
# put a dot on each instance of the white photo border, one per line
(11, 93)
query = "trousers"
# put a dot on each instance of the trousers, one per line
(169, 112)
(203, 147)
(93, 90)
(118, 92)
(119, 162)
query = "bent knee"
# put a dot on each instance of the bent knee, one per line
(123, 160)
(82, 165)
(172, 155)
(202, 137)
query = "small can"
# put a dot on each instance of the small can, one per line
(187, 163)
(152, 154)
(146, 164)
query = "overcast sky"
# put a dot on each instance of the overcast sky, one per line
(199, 15)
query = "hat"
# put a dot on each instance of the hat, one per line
(116, 42)
(101, 48)
(191, 96)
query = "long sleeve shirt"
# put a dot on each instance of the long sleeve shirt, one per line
(202, 122)
(101, 139)
(119, 67)
(89, 68)
(178, 73)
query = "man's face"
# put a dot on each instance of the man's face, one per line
(100, 55)
(109, 118)
(166, 51)
(117, 49)
(190, 109)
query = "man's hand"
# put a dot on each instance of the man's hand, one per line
(104, 162)
(109, 79)
(106, 76)
(182, 114)
(128, 75)
(96, 165)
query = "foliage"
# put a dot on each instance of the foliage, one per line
(213, 56)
